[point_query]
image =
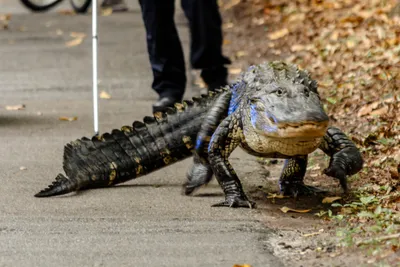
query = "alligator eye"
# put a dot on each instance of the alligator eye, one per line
(279, 92)
(253, 100)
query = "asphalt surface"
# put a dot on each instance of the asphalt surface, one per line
(145, 222)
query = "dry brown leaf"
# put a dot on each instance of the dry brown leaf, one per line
(16, 107)
(235, 70)
(5, 17)
(226, 42)
(66, 12)
(230, 4)
(297, 47)
(276, 196)
(286, 209)
(74, 42)
(80, 35)
(200, 83)
(106, 11)
(365, 110)
(227, 25)
(278, 34)
(241, 53)
(380, 111)
(328, 200)
(68, 118)
(105, 95)
(244, 265)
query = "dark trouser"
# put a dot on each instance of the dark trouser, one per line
(165, 49)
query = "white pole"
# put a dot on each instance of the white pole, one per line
(94, 49)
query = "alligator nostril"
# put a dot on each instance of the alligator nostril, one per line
(306, 92)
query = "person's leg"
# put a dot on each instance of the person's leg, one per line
(206, 41)
(116, 5)
(165, 51)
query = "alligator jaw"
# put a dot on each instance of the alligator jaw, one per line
(302, 131)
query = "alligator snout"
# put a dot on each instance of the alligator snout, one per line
(317, 116)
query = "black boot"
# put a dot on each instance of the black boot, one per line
(164, 102)
(215, 78)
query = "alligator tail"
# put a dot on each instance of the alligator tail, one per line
(132, 151)
(62, 185)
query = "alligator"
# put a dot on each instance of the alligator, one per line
(273, 110)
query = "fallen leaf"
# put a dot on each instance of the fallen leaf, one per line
(286, 209)
(106, 11)
(68, 118)
(16, 107)
(230, 4)
(241, 53)
(278, 34)
(66, 12)
(276, 196)
(105, 95)
(200, 83)
(330, 199)
(380, 111)
(226, 42)
(245, 265)
(297, 47)
(235, 70)
(5, 17)
(77, 35)
(227, 25)
(74, 42)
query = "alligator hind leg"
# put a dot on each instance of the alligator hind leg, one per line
(291, 180)
(198, 175)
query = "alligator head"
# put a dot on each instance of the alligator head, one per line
(281, 110)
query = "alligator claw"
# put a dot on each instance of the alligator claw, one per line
(338, 173)
(299, 189)
(235, 202)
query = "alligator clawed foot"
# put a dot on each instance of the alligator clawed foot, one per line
(197, 176)
(299, 189)
(340, 174)
(193, 185)
(189, 188)
(236, 202)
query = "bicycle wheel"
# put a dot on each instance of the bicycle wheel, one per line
(80, 6)
(40, 5)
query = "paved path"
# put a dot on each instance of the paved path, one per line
(146, 222)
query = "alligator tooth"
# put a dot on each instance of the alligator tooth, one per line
(302, 81)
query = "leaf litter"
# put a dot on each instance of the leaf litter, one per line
(352, 48)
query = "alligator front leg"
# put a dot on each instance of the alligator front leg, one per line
(291, 180)
(224, 140)
(200, 173)
(345, 159)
